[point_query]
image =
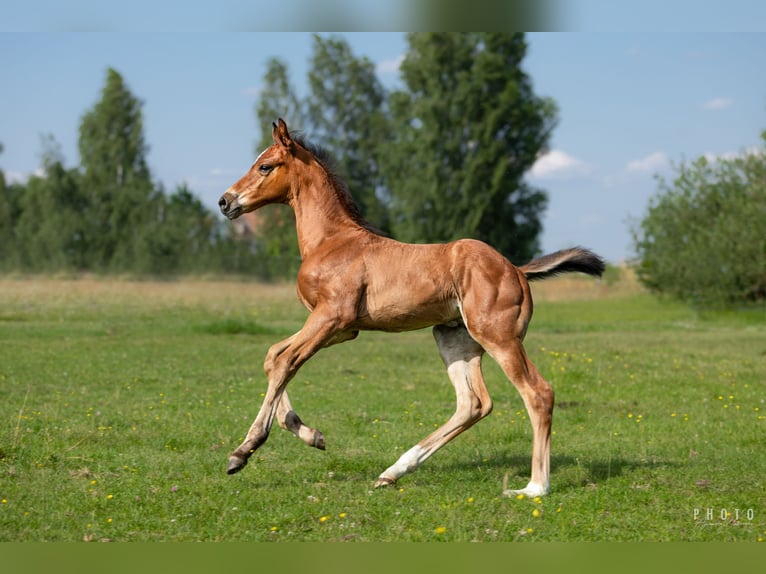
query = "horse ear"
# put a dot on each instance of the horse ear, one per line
(281, 134)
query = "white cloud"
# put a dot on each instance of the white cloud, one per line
(252, 91)
(16, 177)
(22, 178)
(389, 66)
(648, 164)
(729, 155)
(718, 104)
(557, 164)
(714, 157)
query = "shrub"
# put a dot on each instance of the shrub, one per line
(703, 238)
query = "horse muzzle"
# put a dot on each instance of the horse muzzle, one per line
(229, 205)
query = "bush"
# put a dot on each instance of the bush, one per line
(703, 239)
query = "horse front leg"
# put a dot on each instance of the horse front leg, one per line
(282, 362)
(287, 418)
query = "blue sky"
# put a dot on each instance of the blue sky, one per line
(630, 105)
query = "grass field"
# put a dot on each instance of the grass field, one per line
(119, 402)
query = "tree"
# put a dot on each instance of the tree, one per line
(179, 238)
(347, 115)
(277, 99)
(344, 112)
(702, 239)
(466, 128)
(116, 179)
(111, 145)
(51, 221)
(10, 210)
(275, 234)
(107, 215)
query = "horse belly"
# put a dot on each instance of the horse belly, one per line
(407, 310)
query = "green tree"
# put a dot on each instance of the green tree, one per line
(347, 115)
(467, 126)
(274, 233)
(50, 230)
(179, 237)
(702, 239)
(344, 111)
(10, 209)
(111, 145)
(116, 177)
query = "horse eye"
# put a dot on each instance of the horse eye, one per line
(265, 169)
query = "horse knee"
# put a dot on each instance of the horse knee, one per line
(479, 408)
(270, 362)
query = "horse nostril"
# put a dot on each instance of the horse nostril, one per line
(229, 205)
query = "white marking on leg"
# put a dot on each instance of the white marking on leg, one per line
(462, 357)
(408, 462)
(531, 490)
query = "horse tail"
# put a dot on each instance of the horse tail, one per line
(564, 261)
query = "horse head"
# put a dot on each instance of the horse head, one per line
(268, 179)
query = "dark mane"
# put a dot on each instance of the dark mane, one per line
(326, 160)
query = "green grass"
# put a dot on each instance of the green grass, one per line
(119, 403)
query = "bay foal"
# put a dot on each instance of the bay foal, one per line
(353, 279)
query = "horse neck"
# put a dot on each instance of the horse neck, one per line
(319, 211)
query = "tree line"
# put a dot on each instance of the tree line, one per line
(107, 215)
(440, 157)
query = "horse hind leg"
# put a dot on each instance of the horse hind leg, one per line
(498, 323)
(462, 357)
(538, 398)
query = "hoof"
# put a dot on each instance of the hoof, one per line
(531, 491)
(318, 440)
(384, 481)
(235, 464)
